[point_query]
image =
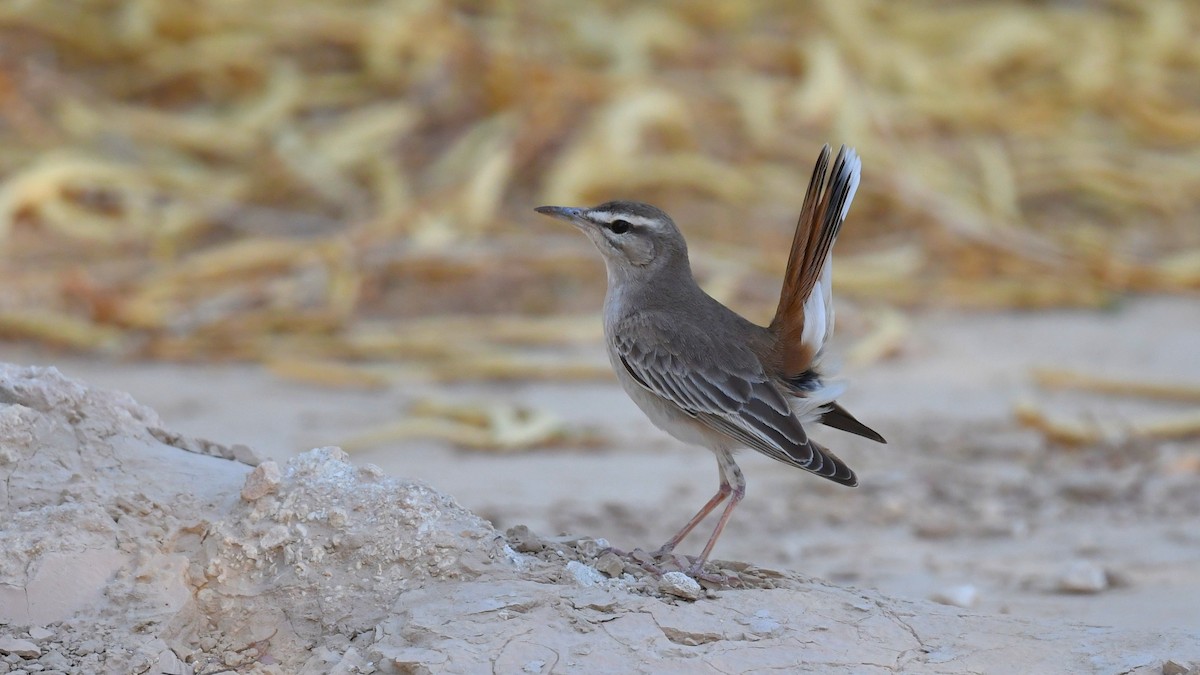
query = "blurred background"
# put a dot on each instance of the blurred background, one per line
(314, 180)
(341, 194)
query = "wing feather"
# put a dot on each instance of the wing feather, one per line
(735, 398)
(839, 418)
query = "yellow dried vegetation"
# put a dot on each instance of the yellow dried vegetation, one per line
(309, 183)
(491, 426)
(1093, 429)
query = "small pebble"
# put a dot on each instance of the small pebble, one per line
(590, 548)
(679, 585)
(965, 596)
(262, 481)
(1083, 576)
(641, 557)
(611, 564)
(37, 633)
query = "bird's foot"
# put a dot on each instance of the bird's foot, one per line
(662, 561)
(713, 579)
(694, 568)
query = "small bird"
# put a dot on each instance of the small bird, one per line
(700, 371)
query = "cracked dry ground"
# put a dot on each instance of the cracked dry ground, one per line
(962, 505)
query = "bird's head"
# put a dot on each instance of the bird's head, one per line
(636, 239)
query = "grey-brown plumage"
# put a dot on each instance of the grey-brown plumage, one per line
(703, 373)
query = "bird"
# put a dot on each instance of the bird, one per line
(703, 373)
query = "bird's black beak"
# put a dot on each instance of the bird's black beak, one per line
(571, 213)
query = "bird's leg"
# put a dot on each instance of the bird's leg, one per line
(732, 480)
(722, 492)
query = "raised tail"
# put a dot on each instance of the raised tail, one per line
(804, 319)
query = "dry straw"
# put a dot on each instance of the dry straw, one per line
(296, 180)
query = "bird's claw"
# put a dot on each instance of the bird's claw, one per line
(662, 561)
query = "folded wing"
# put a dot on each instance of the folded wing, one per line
(734, 398)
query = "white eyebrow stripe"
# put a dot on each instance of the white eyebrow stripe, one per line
(609, 216)
(643, 221)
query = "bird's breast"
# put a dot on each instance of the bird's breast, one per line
(662, 413)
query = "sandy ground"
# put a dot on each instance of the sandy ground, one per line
(1062, 560)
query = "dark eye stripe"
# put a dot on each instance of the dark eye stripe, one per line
(619, 226)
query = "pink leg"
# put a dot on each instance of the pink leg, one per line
(730, 474)
(722, 493)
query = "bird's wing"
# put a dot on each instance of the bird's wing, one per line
(729, 393)
(804, 318)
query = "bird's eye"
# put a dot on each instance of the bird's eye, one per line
(619, 226)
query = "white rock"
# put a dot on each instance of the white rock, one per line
(965, 595)
(1083, 576)
(38, 633)
(680, 585)
(583, 574)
